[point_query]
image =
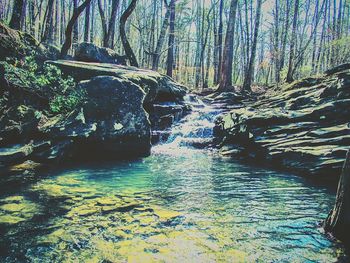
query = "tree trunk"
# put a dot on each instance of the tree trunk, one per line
(292, 43)
(92, 27)
(56, 38)
(68, 42)
(23, 16)
(285, 36)
(87, 24)
(171, 43)
(220, 40)
(17, 10)
(111, 24)
(226, 66)
(314, 42)
(32, 17)
(48, 21)
(276, 51)
(76, 24)
(204, 45)
(2, 10)
(338, 221)
(161, 39)
(247, 35)
(250, 71)
(104, 23)
(127, 48)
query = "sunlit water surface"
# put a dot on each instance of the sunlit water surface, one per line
(179, 205)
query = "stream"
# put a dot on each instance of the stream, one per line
(181, 204)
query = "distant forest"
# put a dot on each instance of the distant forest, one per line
(201, 43)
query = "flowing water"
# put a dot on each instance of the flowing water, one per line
(179, 205)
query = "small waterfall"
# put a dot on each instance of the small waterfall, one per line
(193, 131)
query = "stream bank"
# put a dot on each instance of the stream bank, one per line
(303, 127)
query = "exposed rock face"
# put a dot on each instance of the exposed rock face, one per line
(17, 44)
(19, 123)
(338, 221)
(165, 114)
(338, 68)
(303, 126)
(112, 124)
(89, 52)
(158, 87)
(14, 43)
(110, 121)
(164, 99)
(107, 126)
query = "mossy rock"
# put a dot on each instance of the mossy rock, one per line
(16, 44)
(156, 85)
(302, 126)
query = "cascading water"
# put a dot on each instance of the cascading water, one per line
(193, 131)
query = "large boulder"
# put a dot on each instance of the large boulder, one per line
(19, 125)
(15, 44)
(111, 124)
(303, 126)
(89, 52)
(158, 87)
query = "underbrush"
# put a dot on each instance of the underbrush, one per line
(47, 81)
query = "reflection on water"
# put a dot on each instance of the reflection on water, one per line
(179, 205)
(165, 208)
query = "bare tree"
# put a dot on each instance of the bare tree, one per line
(250, 71)
(108, 26)
(87, 23)
(127, 48)
(17, 13)
(161, 38)
(171, 42)
(226, 66)
(69, 30)
(292, 43)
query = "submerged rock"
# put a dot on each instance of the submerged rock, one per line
(18, 153)
(89, 52)
(15, 154)
(303, 126)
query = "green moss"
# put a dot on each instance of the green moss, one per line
(47, 81)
